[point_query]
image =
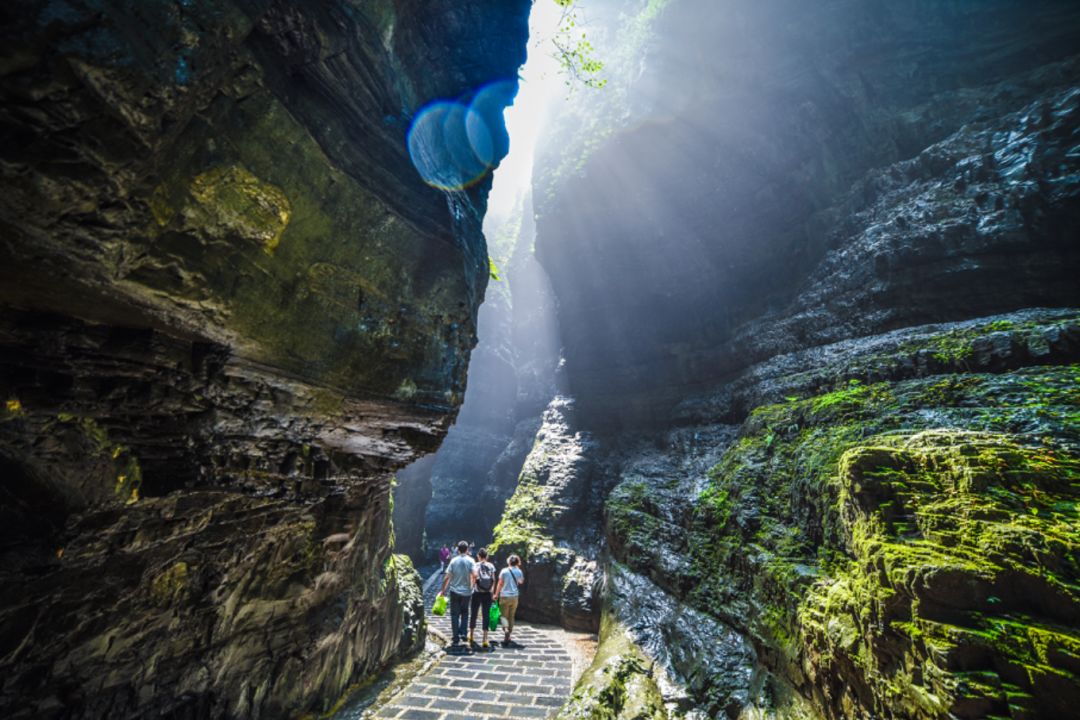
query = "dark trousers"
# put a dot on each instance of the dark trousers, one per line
(459, 615)
(480, 600)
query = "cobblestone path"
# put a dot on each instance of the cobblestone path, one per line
(531, 681)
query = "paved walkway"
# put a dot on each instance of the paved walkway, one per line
(531, 681)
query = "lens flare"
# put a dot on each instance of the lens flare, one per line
(453, 145)
(486, 110)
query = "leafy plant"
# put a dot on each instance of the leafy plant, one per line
(576, 55)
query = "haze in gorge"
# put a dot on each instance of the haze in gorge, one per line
(752, 327)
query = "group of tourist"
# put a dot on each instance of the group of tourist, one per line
(473, 586)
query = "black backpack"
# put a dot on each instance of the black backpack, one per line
(485, 577)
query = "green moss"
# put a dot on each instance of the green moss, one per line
(13, 408)
(170, 585)
(389, 574)
(312, 270)
(632, 517)
(955, 347)
(618, 685)
(521, 530)
(849, 397)
(854, 517)
(232, 198)
(965, 549)
(161, 207)
(406, 390)
(128, 475)
(127, 471)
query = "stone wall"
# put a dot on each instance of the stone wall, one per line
(815, 274)
(229, 310)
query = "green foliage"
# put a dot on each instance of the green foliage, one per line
(588, 121)
(576, 55)
(493, 272)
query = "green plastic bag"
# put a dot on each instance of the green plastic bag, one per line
(439, 608)
(493, 616)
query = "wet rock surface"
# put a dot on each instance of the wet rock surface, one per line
(229, 310)
(553, 522)
(845, 445)
(706, 658)
(511, 380)
(799, 187)
(530, 679)
(814, 451)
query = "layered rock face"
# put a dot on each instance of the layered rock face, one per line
(229, 309)
(699, 194)
(816, 275)
(553, 521)
(461, 491)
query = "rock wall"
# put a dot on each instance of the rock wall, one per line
(815, 276)
(553, 522)
(733, 151)
(464, 489)
(229, 309)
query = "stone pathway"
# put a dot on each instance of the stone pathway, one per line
(531, 681)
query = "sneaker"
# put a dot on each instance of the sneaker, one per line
(485, 645)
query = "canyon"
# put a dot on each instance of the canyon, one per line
(776, 389)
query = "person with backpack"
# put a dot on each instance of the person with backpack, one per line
(483, 584)
(507, 593)
(459, 579)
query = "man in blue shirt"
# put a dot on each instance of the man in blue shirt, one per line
(459, 579)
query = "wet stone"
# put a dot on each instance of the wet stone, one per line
(420, 715)
(488, 708)
(531, 680)
(444, 692)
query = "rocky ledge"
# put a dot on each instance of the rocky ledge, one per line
(819, 314)
(229, 309)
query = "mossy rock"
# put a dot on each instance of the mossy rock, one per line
(170, 586)
(232, 201)
(619, 684)
(907, 549)
(964, 551)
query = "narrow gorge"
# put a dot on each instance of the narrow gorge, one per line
(765, 359)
